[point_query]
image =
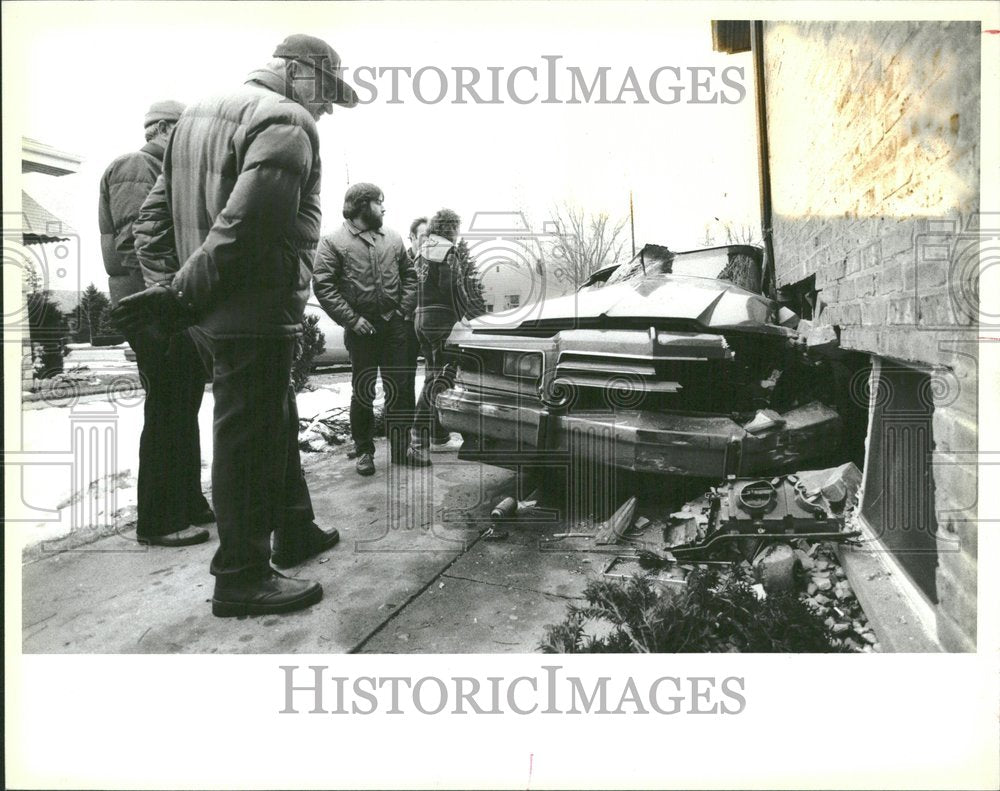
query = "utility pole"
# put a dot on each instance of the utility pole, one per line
(631, 221)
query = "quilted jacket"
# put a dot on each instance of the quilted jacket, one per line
(233, 222)
(124, 186)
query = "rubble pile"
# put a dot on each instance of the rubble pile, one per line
(829, 595)
(776, 537)
(326, 431)
(823, 587)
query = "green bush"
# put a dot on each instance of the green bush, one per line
(310, 343)
(48, 331)
(708, 615)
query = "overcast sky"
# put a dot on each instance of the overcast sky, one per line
(91, 70)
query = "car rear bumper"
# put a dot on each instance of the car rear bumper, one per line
(506, 432)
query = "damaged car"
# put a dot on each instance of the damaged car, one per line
(673, 363)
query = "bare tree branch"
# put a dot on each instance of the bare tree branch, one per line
(728, 232)
(584, 244)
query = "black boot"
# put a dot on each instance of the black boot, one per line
(295, 545)
(271, 594)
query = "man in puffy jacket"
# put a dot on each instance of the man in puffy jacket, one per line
(364, 280)
(170, 501)
(226, 240)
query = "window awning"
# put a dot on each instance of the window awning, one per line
(41, 226)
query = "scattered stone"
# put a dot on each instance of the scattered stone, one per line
(775, 567)
(811, 589)
(869, 637)
(840, 628)
(822, 583)
(842, 590)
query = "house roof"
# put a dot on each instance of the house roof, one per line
(37, 157)
(41, 225)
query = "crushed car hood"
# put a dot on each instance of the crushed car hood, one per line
(712, 303)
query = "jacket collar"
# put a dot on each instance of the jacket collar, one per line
(271, 79)
(435, 248)
(365, 233)
(153, 149)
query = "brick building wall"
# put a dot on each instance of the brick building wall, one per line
(874, 140)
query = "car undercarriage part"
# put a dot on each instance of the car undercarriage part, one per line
(740, 517)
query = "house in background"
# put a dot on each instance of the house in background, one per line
(869, 139)
(509, 256)
(506, 285)
(49, 246)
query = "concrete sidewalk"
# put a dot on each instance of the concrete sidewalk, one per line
(405, 577)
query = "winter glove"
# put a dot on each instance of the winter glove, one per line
(158, 308)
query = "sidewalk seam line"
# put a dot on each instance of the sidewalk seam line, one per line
(395, 614)
(513, 587)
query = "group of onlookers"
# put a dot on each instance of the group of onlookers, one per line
(391, 302)
(210, 236)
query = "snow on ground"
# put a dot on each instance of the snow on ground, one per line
(49, 490)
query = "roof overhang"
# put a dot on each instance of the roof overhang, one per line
(39, 158)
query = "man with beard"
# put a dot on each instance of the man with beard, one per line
(225, 240)
(364, 280)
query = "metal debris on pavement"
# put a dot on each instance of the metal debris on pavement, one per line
(613, 529)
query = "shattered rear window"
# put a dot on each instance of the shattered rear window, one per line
(711, 264)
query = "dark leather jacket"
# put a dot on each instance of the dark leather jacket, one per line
(363, 273)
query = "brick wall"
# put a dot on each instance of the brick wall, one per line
(874, 145)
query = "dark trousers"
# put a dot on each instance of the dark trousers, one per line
(432, 329)
(382, 354)
(410, 364)
(173, 377)
(257, 481)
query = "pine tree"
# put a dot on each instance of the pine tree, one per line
(470, 282)
(88, 314)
